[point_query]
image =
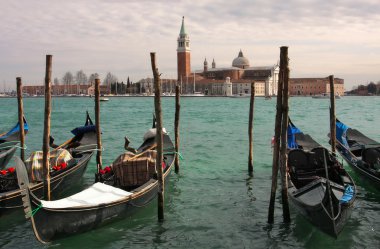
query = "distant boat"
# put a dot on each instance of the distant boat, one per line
(104, 99)
(195, 94)
(240, 95)
(324, 96)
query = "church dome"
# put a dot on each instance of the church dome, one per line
(240, 61)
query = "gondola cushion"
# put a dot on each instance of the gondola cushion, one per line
(151, 133)
(34, 164)
(372, 157)
(131, 171)
(98, 193)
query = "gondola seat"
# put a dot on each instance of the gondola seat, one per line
(318, 158)
(372, 157)
(302, 171)
(131, 170)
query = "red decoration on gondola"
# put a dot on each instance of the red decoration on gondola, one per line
(105, 170)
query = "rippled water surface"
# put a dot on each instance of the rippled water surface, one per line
(212, 203)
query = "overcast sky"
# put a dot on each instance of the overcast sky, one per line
(339, 37)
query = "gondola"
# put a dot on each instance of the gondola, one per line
(68, 163)
(9, 142)
(359, 151)
(123, 189)
(326, 202)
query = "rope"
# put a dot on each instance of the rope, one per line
(138, 155)
(8, 146)
(33, 212)
(174, 153)
(65, 143)
(23, 148)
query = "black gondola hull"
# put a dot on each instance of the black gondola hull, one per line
(318, 213)
(82, 147)
(355, 163)
(6, 155)
(58, 184)
(78, 220)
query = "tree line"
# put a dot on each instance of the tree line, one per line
(81, 78)
(369, 89)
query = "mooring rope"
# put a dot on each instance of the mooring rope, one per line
(34, 211)
(12, 144)
(174, 153)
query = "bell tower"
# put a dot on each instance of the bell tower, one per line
(183, 53)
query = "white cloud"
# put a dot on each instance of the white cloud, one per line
(324, 37)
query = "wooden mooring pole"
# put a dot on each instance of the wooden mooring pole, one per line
(284, 134)
(250, 129)
(276, 147)
(158, 111)
(332, 115)
(98, 131)
(176, 127)
(45, 142)
(21, 118)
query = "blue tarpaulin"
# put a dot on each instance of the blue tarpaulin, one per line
(83, 129)
(15, 129)
(341, 133)
(292, 131)
(348, 194)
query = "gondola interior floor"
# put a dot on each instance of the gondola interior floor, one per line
(97, 194)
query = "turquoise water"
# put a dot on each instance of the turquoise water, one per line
(212, 203)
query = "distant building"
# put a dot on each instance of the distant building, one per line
(57, 90)
(211, 80)
(314, 86)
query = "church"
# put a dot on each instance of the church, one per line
(223, 81)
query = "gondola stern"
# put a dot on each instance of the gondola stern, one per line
(23, 182)
(26, 195)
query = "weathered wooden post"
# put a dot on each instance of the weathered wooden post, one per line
(176, 127)
(276, 146)
(98, 131)
(284, 135)
(332, 115)
(45, 142)
(157, 105)
(21, 118)
(250, 129)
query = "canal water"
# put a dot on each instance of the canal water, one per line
(212, 203)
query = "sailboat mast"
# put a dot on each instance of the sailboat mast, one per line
(194, 84)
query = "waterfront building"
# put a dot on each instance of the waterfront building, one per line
(211, 81)
(60, 90)
(314, 86)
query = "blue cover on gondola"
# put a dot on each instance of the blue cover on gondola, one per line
(341, 130)
(292, 131)
(348, 194)
(83, 129)
(15, 129)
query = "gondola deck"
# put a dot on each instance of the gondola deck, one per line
(310, 191)
(359, 151)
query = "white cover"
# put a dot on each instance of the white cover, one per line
(97, 194)
(152, 133)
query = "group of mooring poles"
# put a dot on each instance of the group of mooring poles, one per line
(46, 134)
(280, 159)
(280, 139)
(159, 134)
